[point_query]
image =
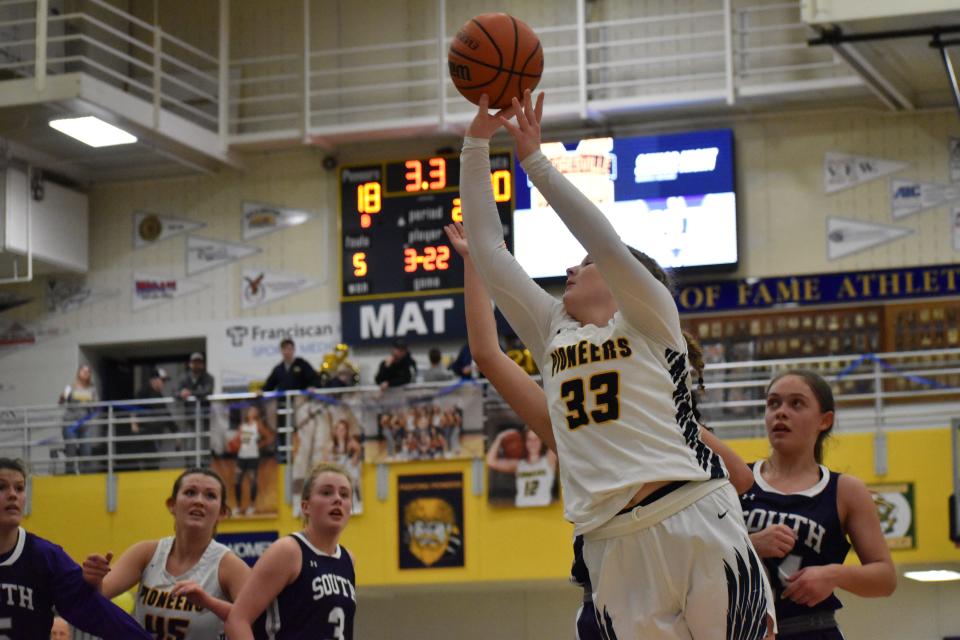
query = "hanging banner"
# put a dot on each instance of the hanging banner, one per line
(250, 347)
(895, 506)
(842, 171)
(65, 294)
(248, 545)
(150, 228)
(327, 431)
(204, 254)
(430, 515)
(150, 290)
(260, 287)
(11, 301)
(260, 219)
(403, 424)
(244, 441)
(844, 287)
(846, 236)
(908, 197)
(521, 470)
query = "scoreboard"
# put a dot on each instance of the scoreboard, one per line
(392, 216)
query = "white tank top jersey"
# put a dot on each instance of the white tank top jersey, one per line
(534, 483)
(249, 437)
(168, 617)
(619, 395)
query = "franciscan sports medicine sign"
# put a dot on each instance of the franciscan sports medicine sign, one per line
(851, 287)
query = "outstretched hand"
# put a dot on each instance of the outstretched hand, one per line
(458, 238)
(526, 133)
(485, 125)
(95, 569)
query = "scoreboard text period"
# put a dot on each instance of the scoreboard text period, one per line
(392, 216)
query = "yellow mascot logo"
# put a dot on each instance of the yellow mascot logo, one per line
(431, 527)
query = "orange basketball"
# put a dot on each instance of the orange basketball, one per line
(233, 444)
(512, 445)
(495, 54)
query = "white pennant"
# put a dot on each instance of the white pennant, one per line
(260, 219)
(150, 228)
(151, 289)
(842, 171)
(908, 197)
(204, 254)
(260, 286)
(846, 236)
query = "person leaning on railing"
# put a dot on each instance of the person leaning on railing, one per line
(80, 421)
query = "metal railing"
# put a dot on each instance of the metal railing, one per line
(874, 392)
(116, 47)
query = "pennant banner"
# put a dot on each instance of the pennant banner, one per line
(150, 228)
(842, 171)
(260, 219)
(260, 287)
(150, 290)
(11, 301)
(846, 236)
(204, 254)
(69, 294)
(908, 197)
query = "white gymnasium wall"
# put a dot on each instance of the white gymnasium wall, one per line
(782, 207)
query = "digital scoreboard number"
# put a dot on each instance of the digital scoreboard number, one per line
(391, 224)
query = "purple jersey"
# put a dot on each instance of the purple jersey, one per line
(320, 603)
(37, 576)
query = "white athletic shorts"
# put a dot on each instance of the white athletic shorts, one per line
(681, 567)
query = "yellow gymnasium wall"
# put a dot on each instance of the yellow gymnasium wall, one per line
(501, 543)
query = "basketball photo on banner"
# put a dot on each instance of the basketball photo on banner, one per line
(430, 512)
(497, 55)
(407, 425)
(243, 439)
(327, 430)
(521, 470)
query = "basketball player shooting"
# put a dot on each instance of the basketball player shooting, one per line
(649, 497)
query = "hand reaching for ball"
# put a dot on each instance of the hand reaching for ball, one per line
(526, 133)
(485, 125)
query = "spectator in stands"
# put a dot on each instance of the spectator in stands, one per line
(436, 372)
(462, 365)
(398, 368)
(151, 420)
(199, 384)
(292, 373)
(80, 421)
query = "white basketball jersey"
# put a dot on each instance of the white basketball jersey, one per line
(534, 483)
(622, 415)
(249, 437)
(169, 617)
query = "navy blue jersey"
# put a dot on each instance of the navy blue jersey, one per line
(320, 602)
(36, 576)
(813, 515)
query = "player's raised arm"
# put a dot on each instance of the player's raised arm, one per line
(643, 300)
(514, 384)
(527, 307)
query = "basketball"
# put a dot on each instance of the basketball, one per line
(233, 444)
(495, 54)
(512, 445)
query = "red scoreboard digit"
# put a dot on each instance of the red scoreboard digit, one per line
(392, 216)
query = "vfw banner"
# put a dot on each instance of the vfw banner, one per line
(250, 347)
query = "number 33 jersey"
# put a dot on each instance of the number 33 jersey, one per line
(622, 413)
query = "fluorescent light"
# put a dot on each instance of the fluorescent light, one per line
(935, 575)
(93, 131)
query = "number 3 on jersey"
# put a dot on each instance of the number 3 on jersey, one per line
(605, 388)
